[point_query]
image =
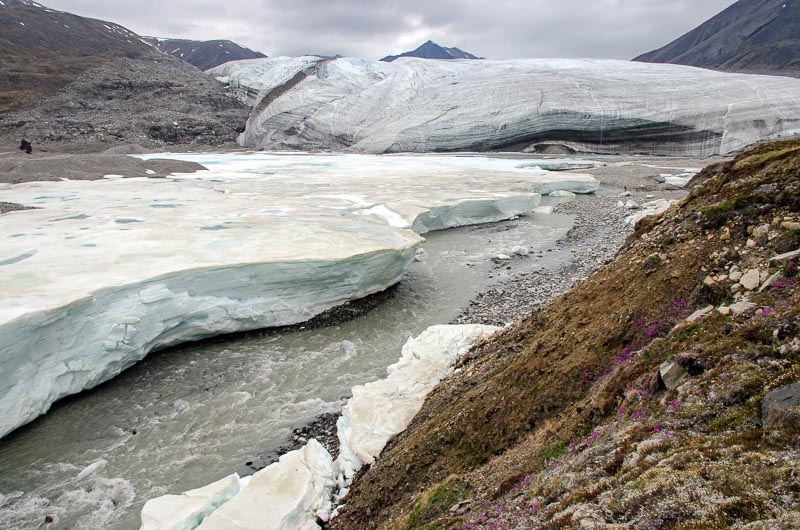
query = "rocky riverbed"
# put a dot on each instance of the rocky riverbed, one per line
(599, 231)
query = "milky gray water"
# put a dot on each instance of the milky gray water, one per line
(187, 416)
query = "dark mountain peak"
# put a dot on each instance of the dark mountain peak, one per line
(431, 50)
(757, 36)
(204, 54)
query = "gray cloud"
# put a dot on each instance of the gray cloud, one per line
(498, 29)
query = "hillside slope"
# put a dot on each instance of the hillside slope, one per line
(156, 102)
(756, 36)
(607, 408)
(42, 50)
(204, 54)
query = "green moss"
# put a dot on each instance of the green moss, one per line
(719, 214)
(652, 262)
(725, 423)
(554, 450)
(762, 159)
(434, 504)
(743, 509)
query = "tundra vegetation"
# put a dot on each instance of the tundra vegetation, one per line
(662, 392)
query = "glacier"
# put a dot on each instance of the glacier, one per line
(250, 79)
(419, 105)
(104, 272)
(296, 491)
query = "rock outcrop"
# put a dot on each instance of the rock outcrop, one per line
(781, 409)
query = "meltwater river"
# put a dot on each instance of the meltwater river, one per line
(187, 416)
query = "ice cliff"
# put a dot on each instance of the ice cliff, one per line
(106, 271)
(417, 105)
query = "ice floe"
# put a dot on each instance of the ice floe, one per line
(106, 271)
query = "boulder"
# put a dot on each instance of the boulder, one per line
(700, 314)
(786, 257)
(781, 408)
(672, 374)
(751, 279)
(741, 306)
(769, 281)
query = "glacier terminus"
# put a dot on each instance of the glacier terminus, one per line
(592, 105)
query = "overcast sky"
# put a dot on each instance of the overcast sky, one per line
(497, 29)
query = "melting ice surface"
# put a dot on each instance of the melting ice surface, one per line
(182, 418)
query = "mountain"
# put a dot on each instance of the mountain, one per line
(204, 54)
(596, 105)
(617, 407)
(42, 50)
(431, 50)
(78, 84)
(756, 36)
